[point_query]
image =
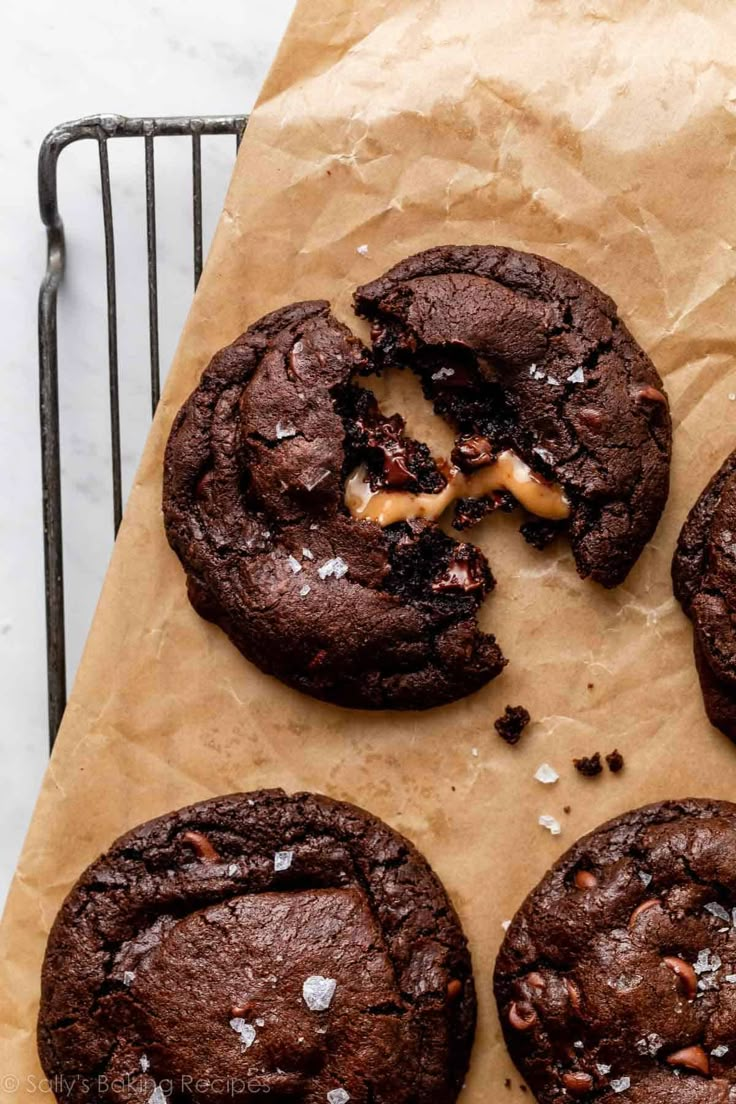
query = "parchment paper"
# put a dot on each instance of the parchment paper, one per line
(601, 133)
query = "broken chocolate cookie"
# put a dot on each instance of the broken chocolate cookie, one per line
(617, 977)
(521, 352)
(254, 483)
(704, 577)
(293, 947)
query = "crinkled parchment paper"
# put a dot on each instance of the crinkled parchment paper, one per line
(601, 133)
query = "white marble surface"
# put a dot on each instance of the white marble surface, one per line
(59, 62)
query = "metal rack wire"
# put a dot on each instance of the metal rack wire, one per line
(101, 129)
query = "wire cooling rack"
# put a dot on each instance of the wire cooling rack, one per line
(100, 129)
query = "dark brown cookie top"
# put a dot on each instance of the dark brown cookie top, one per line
(254, 506)
(292, 946)
(704, 578)
(529, 354)
(617, 976)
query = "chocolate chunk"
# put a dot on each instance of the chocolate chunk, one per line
(513, 722)
(290, 991)
(472, 452)
(589, 765)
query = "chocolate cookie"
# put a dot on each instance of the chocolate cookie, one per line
(258, 944)
(617, 977)
(704, 577)
(528, 355)
(254, 480)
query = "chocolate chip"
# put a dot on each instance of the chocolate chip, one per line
(643, 907)
(472, 452)
(650, 394)
(465, 571)
(589, 765)
(454, 989)
(513, 722)
(522, 1016)
(201, 847)
(584, 879)
(615, 761)
(577, 1083)
(591, 417)
(692, 1058)
(573, 994)
(685, 974)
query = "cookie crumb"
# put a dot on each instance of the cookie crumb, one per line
(507, 1083)
(539, 534)
(589, 765)
(615, 761)
(513, 722)
(567, 809)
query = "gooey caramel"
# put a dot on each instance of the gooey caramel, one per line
(507, 472)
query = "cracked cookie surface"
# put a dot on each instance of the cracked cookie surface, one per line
(704, 578)
(258, 943)
(520, 350)
(253, 504)
(617, 977)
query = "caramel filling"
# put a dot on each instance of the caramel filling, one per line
(507, 472)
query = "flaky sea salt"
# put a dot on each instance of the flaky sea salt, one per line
(553, 380)
(651, 1044)
(715, 909)
(620, 1084)
(645, 879)
(128, 978)
(232, 870)
(307, 554)
(732, 395)
(719, 1051)
(338, 1096)
(505, 924)
(336, 568)
(602, 1068)
(310, 484)
(304, 591)
(318, 993)
(550, 823)
(363, 250)
(282, 860)
(624, 983)
(443, 373)
(536, 373)
(730, 978)
(546, 774)
(245, 1030)
(283, 431)
(158, 1096)
(578, 376)
(474, 752)
(706, 962)
(294, 564)
(144, 1063)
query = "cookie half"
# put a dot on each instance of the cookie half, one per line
(518, 350)
(258, 944)
(254, 488)
(704, 578)
(617, 977)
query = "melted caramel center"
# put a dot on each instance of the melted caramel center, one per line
(507, 472)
